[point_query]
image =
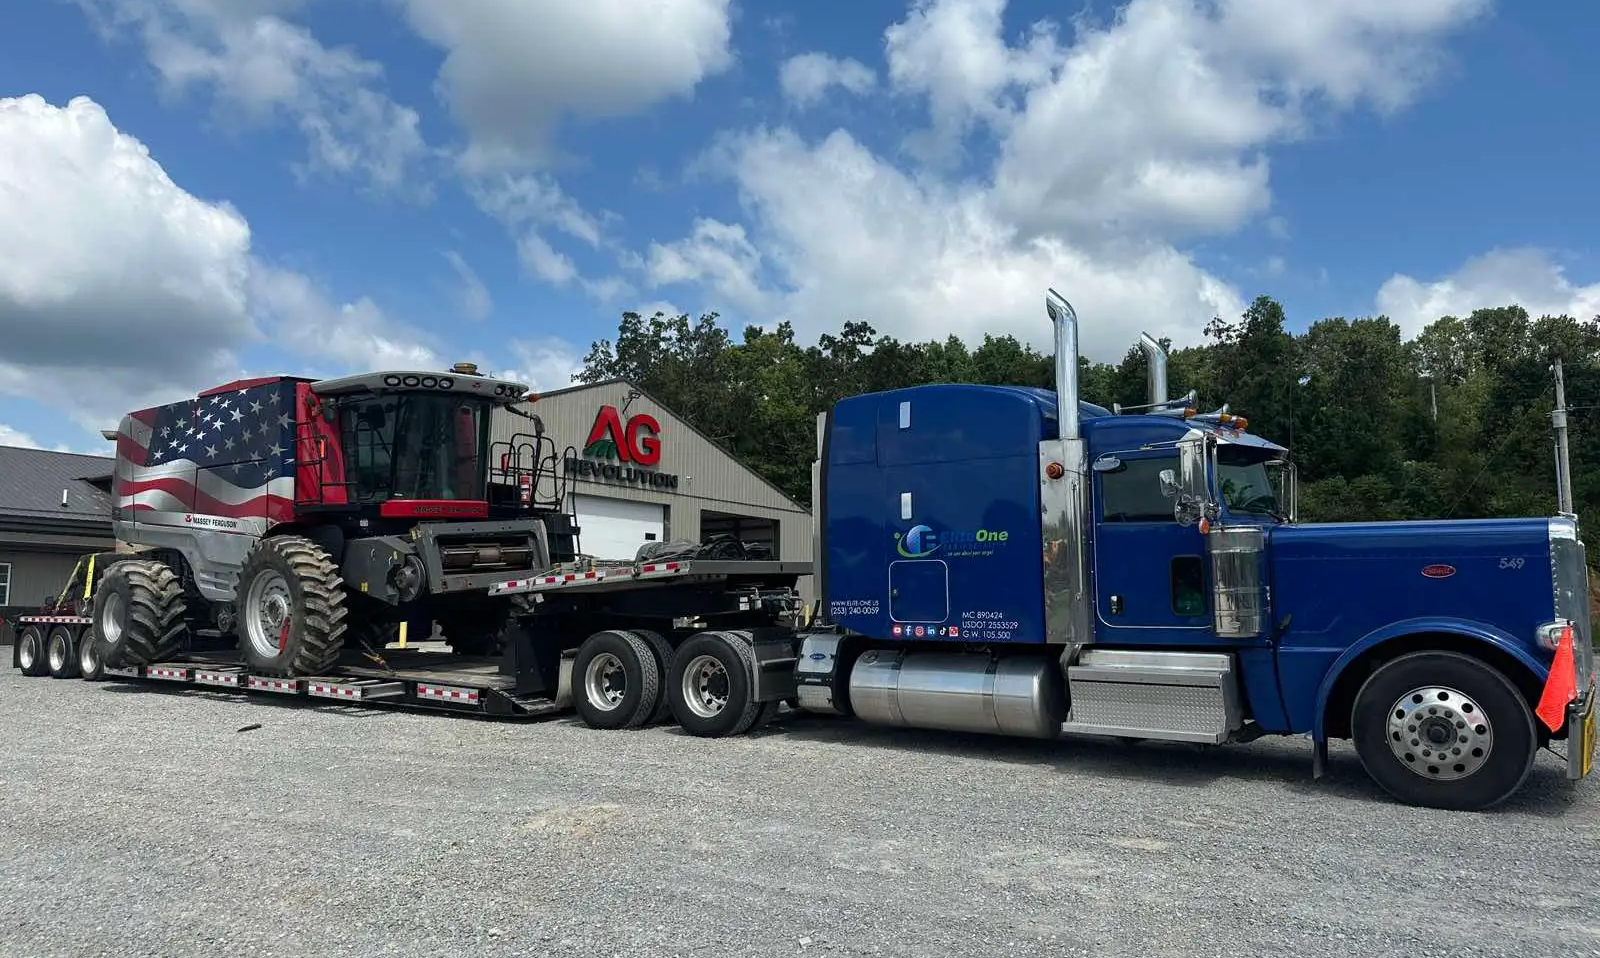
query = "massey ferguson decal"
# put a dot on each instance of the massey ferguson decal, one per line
(618, 451)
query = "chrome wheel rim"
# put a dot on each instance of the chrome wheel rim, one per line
(28, 654)
(605, 682)
(705, 686)
(86, 659)
(58, 655)
(1440, 733)
(267, 606)
(111, 618)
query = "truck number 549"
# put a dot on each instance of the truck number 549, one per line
(1512, 562)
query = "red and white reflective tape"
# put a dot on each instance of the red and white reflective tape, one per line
(447, 693)
(335, 690)
(208, 677)
(266, 684)
(166, 672)
(54, 619)
(659, 568)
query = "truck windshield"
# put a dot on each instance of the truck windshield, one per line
(1246, 481)
(415, 446)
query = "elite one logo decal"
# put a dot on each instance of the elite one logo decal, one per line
(921, 541)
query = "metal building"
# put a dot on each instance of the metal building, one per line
(635, 473)
(54, 508)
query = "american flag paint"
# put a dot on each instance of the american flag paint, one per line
(226, 455)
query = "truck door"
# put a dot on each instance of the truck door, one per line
(1150, 573)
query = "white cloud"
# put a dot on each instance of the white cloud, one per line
(1108, 146)
(543, 364)
(1501, 277)
(807, 78)
(119, 289)
(261, 67)
(513, 69)
(10, 436)
(476, 303)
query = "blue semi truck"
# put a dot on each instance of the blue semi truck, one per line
(1022, 562)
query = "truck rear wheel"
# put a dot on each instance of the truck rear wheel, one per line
(617, 683)
(30, 651)
(138, 613)
(61, 652)
(1444, 730)
(290, 606)
(711, 685)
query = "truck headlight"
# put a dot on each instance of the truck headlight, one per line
(1550, 633)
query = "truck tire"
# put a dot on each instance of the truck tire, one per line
(290, 606)
(711, 683)
(61, 653)
(30, 651)
(1444, 730)
(91, 667)
(138, 613)
(663, 654)
(616, 681)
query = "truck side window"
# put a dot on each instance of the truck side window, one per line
(1132, 492)
(1188, 586)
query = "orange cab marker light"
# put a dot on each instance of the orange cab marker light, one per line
(1239, 422)
(1054, 470)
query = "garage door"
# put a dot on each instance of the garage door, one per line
(616, 528)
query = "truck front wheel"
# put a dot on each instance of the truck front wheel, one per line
(1444, 730)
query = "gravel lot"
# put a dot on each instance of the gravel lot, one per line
(141, 821)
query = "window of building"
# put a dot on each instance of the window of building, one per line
(5, 584)
(1132, 491)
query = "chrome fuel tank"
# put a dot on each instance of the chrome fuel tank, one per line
(959, 692)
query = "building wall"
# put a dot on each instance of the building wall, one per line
(34, 576)
(708, 479)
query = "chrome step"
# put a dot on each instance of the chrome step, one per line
(1168, 696)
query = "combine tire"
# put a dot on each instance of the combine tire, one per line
(616, 681)
(290, 607)
(90, 665)
(711, 683)
(30, 651)
(138, 613)
(62, 653)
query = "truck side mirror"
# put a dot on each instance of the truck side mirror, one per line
(1193, 499)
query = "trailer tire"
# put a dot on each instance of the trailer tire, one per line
(601, 659)
(290, 581)
(30, 651)
(1435, 698)
(61, 652)
(711, 684)
(138, 613)
(663, 654)
(91, 667)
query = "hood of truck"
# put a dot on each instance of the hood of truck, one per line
(1335, 583)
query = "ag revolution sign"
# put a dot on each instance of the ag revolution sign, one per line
(621, 451)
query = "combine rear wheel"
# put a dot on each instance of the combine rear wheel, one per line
(30, 651)
(290, 606)
(138, 613)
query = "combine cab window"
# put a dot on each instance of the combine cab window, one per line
(416, 446)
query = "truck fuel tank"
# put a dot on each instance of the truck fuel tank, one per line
(1018, 695)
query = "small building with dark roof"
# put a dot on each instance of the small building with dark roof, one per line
(55, 507)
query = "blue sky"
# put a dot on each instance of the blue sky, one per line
(332, 186)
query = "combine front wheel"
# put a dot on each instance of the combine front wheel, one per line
(138, 613)
(289, 604)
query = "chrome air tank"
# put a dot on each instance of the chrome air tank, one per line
(1019, 695)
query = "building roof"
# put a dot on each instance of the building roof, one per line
(31, 482)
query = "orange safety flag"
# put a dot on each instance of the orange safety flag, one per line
(1562, 685)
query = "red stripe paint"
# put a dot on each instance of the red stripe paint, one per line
(434, 509)
(276, 508)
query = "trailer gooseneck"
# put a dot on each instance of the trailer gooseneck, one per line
(989, 559)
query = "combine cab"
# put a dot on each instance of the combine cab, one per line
(294, 519)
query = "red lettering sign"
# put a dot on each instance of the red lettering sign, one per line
(637, 442)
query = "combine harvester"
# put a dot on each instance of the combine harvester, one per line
(990, 559)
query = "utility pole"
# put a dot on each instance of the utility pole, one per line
(1558, 419)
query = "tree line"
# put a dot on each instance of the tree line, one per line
(1453, 423)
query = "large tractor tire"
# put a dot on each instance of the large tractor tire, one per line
(138, 613)
(290, 608)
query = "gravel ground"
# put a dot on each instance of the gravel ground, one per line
(142, 821)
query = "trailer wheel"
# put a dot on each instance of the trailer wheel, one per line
(617, 682)
(91, 667)
(61, 653)
(711, 683)
(290, 607)
(30, 652)
(1444, 730)
(663, 655)
(138, 613)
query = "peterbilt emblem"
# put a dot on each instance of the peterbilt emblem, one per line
(1439, 571)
